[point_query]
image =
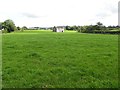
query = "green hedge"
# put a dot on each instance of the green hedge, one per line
(104, 32)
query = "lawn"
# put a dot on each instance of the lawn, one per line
(45, 59)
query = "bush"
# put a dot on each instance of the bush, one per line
(4, 31)
(106, 32)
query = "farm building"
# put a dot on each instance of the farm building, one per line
(58, 29)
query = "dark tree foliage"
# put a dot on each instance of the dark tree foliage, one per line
(54, 29)
(68, 28)
(9, 26)
(0, 25)
(24, 28)
(99, 28)
(18, 28)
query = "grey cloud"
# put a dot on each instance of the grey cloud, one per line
(30, 15)
(107, 11)
(103, 14)
(113, 9)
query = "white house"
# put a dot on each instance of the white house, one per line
(58, 29)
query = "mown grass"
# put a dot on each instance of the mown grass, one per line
(45, 59)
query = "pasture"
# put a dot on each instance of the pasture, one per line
(45, 59)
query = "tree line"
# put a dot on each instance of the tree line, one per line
(98, 28)
(9, 26)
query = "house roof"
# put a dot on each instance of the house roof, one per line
(60, 26)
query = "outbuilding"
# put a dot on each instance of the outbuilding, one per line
(58, 29)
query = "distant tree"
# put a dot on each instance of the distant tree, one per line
(24, 28)
(82, 29)
(54, 29)
(71, 27)
(99, 24)
(68, 28)
(0, 25)
(89, 28)
(113, 27)
(110, 26)
(79, 29)
(75, 27)
(18, 28)
(9, 26)
(117, 26)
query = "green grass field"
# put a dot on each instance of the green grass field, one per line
(45, 59)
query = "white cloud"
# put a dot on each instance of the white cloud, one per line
(59, 12)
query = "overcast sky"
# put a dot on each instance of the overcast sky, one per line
(59, 12)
